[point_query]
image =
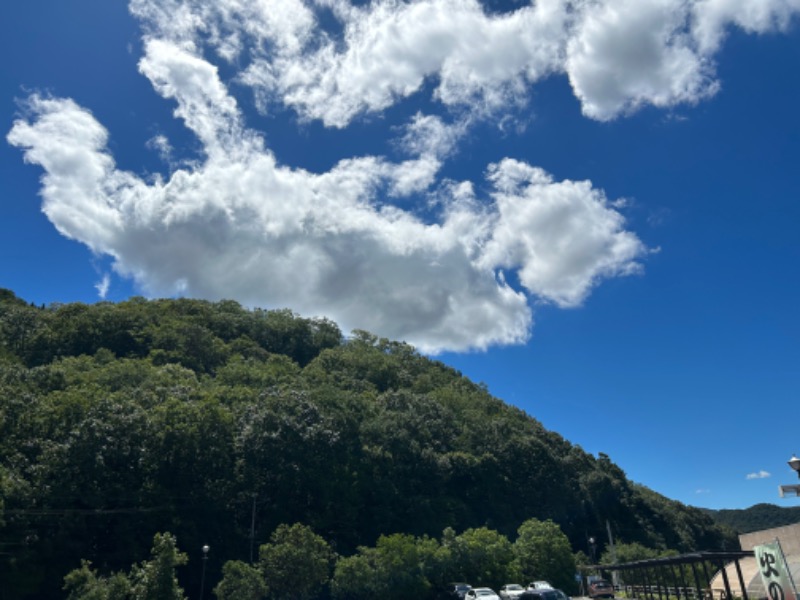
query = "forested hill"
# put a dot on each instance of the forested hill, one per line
(118, 421)
(757, 517)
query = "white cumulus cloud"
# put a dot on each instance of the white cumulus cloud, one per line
(759, 475)
(624, 54)
(619, 55)
(247, 228)
(347, 242)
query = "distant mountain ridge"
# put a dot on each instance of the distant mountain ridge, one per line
(756, 518)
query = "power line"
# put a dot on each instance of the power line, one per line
(45, 512)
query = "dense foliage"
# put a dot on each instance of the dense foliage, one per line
(219, 424)
(153, 579)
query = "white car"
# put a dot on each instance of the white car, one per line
(511, 590)
(540, 585)
(481, 594)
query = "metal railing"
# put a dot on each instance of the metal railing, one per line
(672, 592)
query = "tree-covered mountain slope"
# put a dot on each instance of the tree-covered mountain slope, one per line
(757, 517)
(218, 423)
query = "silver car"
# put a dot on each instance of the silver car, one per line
(481, 594)
(511, 590)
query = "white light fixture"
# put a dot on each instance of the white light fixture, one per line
(794, 462)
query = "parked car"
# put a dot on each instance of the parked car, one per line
(561, 594)
(540, 594)
(510, 590)
(460, 590)
(481, 594)
(601, 588)
(540, 585)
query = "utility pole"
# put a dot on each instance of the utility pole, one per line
(205, 549)
(614, 575)
(253, 529)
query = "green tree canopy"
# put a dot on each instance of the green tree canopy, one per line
(484, 556)
(296, 563)
(121, 420)
(155, 579)
(240, 581)
(85, 584)
(543, 552)
(393, 569)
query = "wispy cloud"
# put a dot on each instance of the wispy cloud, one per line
(102, 286)
(702, 491)
(161, 145)
(759, 475)
(347, 243)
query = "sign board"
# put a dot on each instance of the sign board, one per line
(774, 572)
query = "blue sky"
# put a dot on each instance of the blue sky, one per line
(590, 206)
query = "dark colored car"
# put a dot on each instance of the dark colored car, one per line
(460, 590)
(601, 589)
(539, 594)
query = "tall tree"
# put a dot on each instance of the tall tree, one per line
(296, 563)
(155, 579)
(392, 570)
(85, 584)
(484, 556)
(240, 581)
(543, 552)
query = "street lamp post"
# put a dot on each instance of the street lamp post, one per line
(794, 462)
(592, 549)
(206, 548)
(792, 490)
